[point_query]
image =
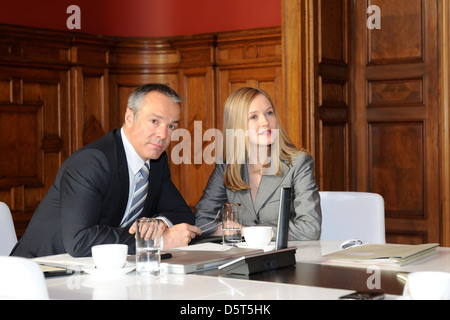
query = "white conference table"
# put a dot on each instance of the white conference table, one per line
(204, 287)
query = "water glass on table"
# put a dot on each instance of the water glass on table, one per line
(231, 224)
(148, 256)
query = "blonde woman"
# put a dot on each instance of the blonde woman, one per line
(260, 159)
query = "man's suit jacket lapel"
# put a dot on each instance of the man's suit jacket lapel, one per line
(124, 183)
(153, 178)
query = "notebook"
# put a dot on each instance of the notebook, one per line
(383, 254)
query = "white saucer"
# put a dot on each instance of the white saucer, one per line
(92, 270)
(244, 245)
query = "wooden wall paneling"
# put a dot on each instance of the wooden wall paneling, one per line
(332, 115)
(266, 78)
(34, 137)
(188, 152)
(299, 71)
(94, 115)
(357, 65)
(192, 152)
(34, 116)
(250, 59)
(29, 46)
(124, 84)
(90, 87)
(135, 62)
(47, 70)
(445, 120)
(397, 116)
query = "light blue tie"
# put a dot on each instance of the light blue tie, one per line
(139, 196)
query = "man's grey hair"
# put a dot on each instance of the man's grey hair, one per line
(136, 97)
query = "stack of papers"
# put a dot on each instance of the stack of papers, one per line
(63, 261)
(383, 254)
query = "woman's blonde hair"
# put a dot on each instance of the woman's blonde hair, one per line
(235, 120)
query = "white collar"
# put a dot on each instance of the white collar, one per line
(135, 162)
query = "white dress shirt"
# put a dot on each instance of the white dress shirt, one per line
(135, 163)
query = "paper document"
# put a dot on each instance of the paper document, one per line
(388, 254)
(64, 260)
(45, 268)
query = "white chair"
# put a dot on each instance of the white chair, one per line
(352, 215)
(21, 279)
(8, 237)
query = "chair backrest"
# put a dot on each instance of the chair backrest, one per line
(352, 215)
(21, 279)
(8, 237)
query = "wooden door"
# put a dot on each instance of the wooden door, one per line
(374, 94)
(395, 114)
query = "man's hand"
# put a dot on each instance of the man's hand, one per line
(180, 235)
(147, 230)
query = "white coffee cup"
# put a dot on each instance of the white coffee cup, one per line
(428, 285)
(258, 236)
(109, 256)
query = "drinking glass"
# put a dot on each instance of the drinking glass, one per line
(231, 224)
(148, 257)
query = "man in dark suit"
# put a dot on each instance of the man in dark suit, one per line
(90, 201)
